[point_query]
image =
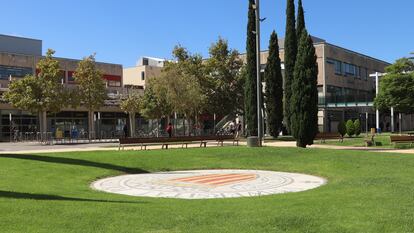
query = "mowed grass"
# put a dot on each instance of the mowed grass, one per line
(383, 141)
(366, 192)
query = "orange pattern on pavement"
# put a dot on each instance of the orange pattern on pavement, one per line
(217, 179)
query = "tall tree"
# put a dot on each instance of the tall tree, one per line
(274, 87)
(91, 89)
(304, 101)
(180, 84)
(300, 23)
(289, 60)
(250, 88)
(41, 93)
(131, 105)
(223, 78)
(397, 87)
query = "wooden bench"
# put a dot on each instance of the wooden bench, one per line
(402, 139)
(324, 136)
(184, 141)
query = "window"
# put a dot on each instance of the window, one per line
(350, 69)
(18, 72)
(358, 72)
(338, 67)
(365, 74)
(71, 79)
(114, 83)
(142, 75)
(145, 61)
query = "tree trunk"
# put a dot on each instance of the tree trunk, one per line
(158, 128)
(132, 125)
(42, 125)
(91, 125)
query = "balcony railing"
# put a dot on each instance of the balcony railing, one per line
(346, 101)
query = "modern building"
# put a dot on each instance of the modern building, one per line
(146, 68)
(345, 89)
(18, 58)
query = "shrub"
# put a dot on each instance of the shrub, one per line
(357, 126)
(342, 128)
(350, 128)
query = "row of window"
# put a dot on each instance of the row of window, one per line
(349, 95)
(20, 72)
(347, 69)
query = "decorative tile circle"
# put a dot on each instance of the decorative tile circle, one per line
(208, 184)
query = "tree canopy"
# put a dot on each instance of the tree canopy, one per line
(223, 83)
(39, 93)
(250, 84)
(304, 102)
(91, 87)
(397, 87)
(291, 47)
(274, 88)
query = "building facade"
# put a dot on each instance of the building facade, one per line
(18, 58)
(344, 87)
(146, 68)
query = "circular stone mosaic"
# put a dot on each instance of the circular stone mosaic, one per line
(207, 184)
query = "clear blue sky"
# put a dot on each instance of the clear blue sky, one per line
(120, 31)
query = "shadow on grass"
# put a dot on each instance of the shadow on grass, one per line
(46, 197)
(78, 162)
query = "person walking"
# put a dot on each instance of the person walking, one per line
(169, 130)
(233, 127)
(125, 131)
(239, 129)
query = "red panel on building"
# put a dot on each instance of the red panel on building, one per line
(112, 77)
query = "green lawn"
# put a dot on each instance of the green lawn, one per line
(366, 192)
(383, 140)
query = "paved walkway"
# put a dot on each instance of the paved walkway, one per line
(32, 148)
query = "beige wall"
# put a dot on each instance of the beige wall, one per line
(343, 55)
(132, 76)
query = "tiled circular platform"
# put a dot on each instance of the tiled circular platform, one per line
(207, 184)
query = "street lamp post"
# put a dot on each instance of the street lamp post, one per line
(259, 82)
(377, 75)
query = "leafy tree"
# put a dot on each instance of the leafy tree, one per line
(222, 85)
(304, 99)
(153, 107)
(274, 87)
(350, 128)
(131, 105)
(41, 93)
(342, 128)
(180, 84)
(250, 88)
(357, 126)
(91, 88)
(300, 23)
(397, 87)
(291, 47)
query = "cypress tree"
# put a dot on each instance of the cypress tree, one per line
(300, 23)
(274, 87)
(250, 89)
(290, 59)
(304, 100)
